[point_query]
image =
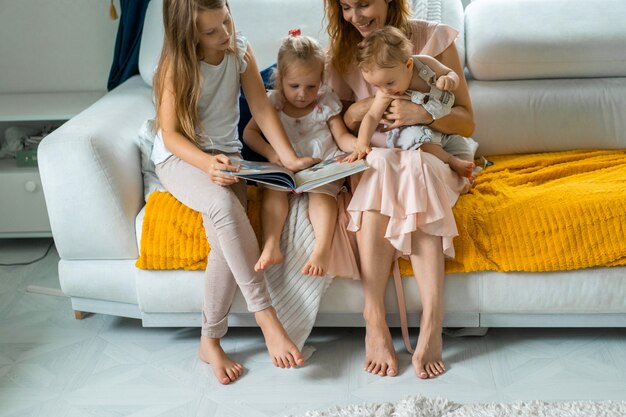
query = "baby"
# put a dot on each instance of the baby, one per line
(386, 61)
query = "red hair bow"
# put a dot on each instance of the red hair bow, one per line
(295, 32)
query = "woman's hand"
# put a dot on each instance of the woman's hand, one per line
(403, 112)
(218, 163)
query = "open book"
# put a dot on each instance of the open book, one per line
(322, 173)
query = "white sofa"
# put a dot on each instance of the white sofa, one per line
(539, 80)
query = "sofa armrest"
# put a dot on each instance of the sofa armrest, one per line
(91, 176)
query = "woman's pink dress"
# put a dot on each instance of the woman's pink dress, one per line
(413, 188)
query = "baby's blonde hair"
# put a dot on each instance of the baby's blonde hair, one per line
(386, 47)
(297, 48)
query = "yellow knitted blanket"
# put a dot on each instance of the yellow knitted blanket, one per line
(172, 234)
(537, 212)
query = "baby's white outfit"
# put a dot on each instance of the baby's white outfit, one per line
(438, 103)
(310, 134)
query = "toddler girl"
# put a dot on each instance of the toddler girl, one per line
(196, 89)
(311, 116)
(386, 62)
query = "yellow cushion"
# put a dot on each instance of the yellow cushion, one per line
(536, 212)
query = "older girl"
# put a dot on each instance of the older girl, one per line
(202, 66)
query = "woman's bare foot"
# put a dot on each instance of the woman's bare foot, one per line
(427, 359)
(225, 369)
(462, 167)
(271, 255)
(380, 355)
(283, 351)
(317, 265)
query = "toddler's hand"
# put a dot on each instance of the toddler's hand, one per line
(216, 165)
(299, 164)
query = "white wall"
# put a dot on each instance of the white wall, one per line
(55, 45)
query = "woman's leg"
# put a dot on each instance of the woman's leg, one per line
(323, 215)
(376, 255)
(273, 215)
(428, 267)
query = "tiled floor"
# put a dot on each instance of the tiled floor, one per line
(54, 365)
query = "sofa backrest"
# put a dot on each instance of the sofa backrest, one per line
(266, 22)
(547, 75)
(536, 39)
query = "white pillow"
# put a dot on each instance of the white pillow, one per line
(151, 182)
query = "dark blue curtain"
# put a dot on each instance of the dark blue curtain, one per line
(126, 57)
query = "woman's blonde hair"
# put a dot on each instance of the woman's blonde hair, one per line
(294, 48)
(343, 36)
(180, 58)
(384, 48)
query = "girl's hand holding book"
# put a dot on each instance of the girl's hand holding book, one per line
(218, 163)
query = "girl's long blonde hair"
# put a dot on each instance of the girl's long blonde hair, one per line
(343, 36)
(180, 58)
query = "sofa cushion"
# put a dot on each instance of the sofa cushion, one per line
(558, 39)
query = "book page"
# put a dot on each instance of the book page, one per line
(328, 170)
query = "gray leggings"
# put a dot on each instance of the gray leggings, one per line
(234, 247)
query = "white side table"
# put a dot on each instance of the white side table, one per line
(23, 210)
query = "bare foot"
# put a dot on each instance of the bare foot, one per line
(225, 369)
(271, 255)
(380, 355)
(462, 167)
(283, 351)
(427, 359)
(317, 265)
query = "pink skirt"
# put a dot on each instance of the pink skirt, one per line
(414, 189)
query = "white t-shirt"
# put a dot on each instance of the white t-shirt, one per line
(218, 105)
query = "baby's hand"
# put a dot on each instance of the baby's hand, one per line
(446, 83)
(299, 164)
(360, 151)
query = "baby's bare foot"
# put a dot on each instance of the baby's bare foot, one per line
(271, 255)
(380, 355)
(283, 351)
(462, 167)
(317, 265)
(427, 359)
(225, 369)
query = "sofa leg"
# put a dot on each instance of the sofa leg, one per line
(79, 315)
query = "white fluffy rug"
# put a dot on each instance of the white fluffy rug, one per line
(419, 406)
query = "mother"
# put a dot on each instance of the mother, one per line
(402, 206)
